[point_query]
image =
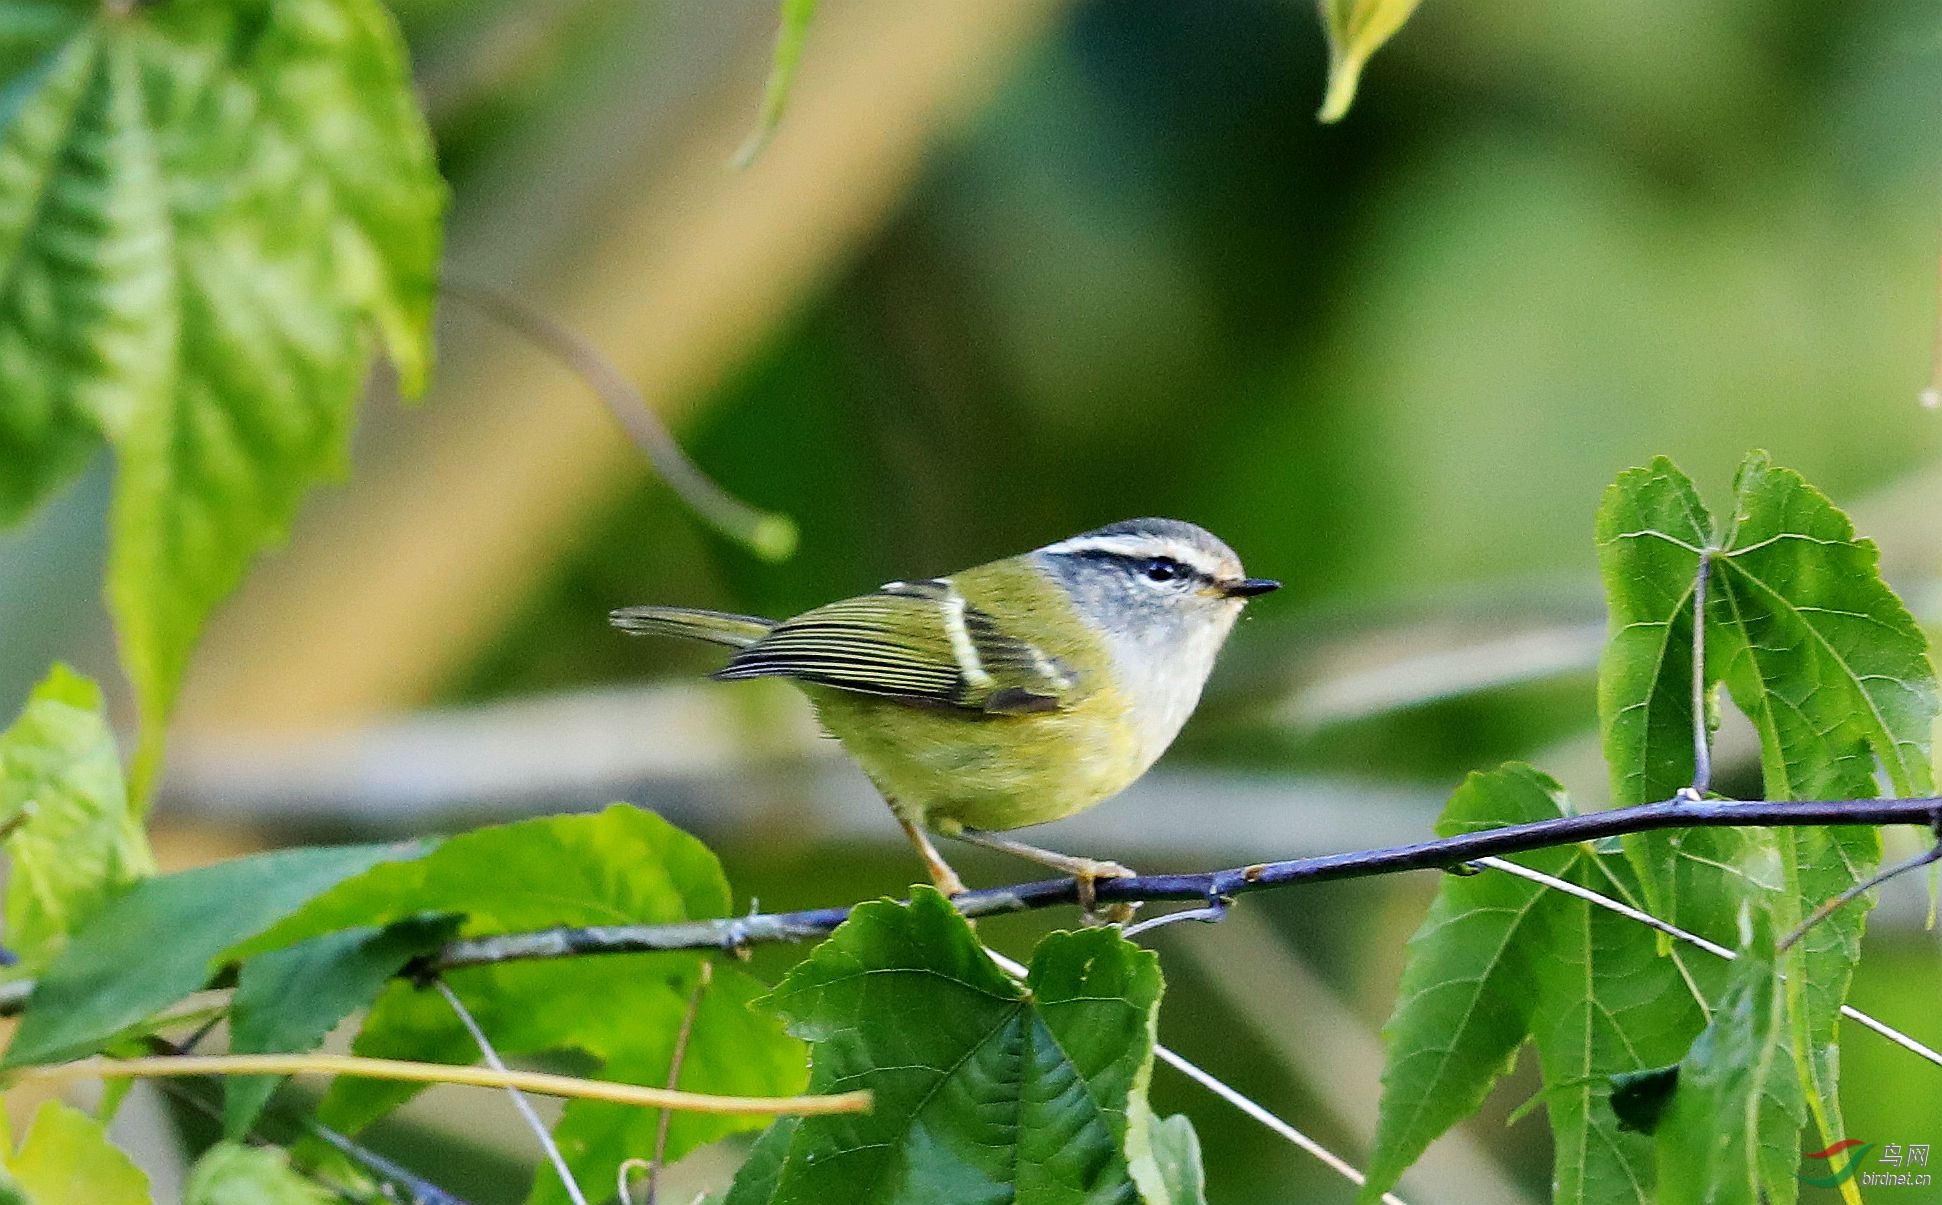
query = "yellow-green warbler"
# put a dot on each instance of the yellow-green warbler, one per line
(1014, 693)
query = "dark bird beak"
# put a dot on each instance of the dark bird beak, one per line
(1248, 587)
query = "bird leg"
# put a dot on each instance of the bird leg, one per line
(947, 880)
(1088, 871)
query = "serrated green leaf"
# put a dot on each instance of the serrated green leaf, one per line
(1609, 1002)
(210, 216)
(1501, 961)
(230, 1173)
(288, 1000)
(1819, 654)
(66, 1157)
(1731, 1135)
(1652, 529)
(77, 842)
(1356, 30)
(985, 1089)
(162, 939)
(755, 1180)
(1469, 986)
(622, 866)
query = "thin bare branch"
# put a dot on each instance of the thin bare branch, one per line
(1711, 947)
(1928, 856)
(519, 1100)
(737, 933)
(766, 533)
(543, 1083)
(1260, 1113)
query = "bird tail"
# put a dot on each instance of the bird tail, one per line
(717, 627)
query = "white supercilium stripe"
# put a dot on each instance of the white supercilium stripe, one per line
(961, 646)
(1137, 546)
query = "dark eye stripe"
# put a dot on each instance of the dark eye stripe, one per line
(1136, 565)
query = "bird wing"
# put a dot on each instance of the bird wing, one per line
(919, 642)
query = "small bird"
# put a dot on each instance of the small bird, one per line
(1013, 693)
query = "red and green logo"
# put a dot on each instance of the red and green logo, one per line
(1841, 1172)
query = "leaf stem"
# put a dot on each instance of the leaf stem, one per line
(1711, 947)
(543, 1083)
(681, 1039)
(1702, 736)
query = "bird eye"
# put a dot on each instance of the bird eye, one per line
(1162, 569)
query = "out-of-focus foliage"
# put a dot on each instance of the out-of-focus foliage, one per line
(74, 841)
(789, 41)
(230, 1173)
(1356, 29)
(210, 217)
(64, 1157)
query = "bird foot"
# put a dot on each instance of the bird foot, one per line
(1086, 873)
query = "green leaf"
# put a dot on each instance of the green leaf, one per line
(1176, 1157)
(288, 1000)
(1819, 654)
(1640, 1097)
(163, 938)
(790, 37)
(1356, 30)
(1501, 961)
(77, 843)
(622, 866)
(1732, 1132)
(1469, 987)
(985, 1089)
(66, 1157)
(211, 216)
(755, 1180)
(230, 1173)
(1609, 1002)
(1651, 530)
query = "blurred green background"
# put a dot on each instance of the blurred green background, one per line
(1015, 269)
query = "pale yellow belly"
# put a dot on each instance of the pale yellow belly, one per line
(986, 771)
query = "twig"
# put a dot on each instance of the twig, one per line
(1259, 1113)
(1214, 911)
(681, 1038)
(736, 933)
(1711, 947)
(423, 1191)
(768, 534)
(1932, 854)
(519, 1100)
(1233, 1096)
(1702, 737)
(545, 1084)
